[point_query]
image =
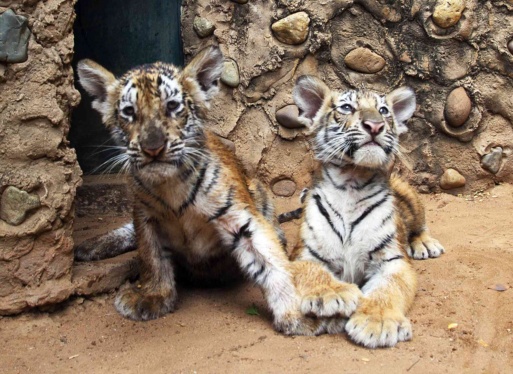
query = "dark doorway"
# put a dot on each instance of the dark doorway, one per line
(118, 34)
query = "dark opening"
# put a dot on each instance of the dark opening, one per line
(118, 34)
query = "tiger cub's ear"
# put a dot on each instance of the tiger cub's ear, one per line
(202, 74)
(96, 80)
(310, 94)
(403, 104)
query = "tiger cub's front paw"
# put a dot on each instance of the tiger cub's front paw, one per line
(141, 304)
(378, 328)
(424, 246)
(296, 324)
(335, 299)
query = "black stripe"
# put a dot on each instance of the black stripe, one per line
(289, 216)
(265, 204)
(317, 255)
(387, 218)
(387, 240)
(371, 195)
(337, 186)
(258, 273)
(404, 200)
(363, 186)
(323, 211)
(192, 196)
(398, 257)
(222, 211)
(214, 179)
(151, 194)
(243, 232)
(368, 211)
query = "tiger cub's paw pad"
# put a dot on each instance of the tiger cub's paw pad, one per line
(379, 329)
(139, 305)
(328, 301)
(424, 246)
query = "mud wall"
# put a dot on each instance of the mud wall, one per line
(38, 171)
(457, 55)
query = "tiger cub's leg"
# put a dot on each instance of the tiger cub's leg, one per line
(421, 244)
(154, 294)
(109, 245)
(379, 320)
(391, 283)
(322, 294)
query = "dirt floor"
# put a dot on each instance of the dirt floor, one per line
(211, 332)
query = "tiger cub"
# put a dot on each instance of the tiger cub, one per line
(358, 222)
(193, 209)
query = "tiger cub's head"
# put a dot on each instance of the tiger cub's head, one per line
(155, 110)
(355, 127)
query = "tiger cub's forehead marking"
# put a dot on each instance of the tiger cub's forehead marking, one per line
(360, 99)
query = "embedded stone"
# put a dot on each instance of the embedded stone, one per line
(284, 187)
(452, 179)
(458, 107)
(510, 46)
(447, 13)
(288, 117)
(230, 74)
(240, 1)
(292, 29)
(203, 27)
(364, 60)
(15, 204)
(14, 37)
(492, 161)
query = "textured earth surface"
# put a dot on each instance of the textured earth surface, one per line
(212, 332)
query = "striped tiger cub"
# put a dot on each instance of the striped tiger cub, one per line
(358, 222)
(195, 214)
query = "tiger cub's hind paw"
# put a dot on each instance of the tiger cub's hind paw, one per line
(424, 246)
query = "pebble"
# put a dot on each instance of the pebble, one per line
(15, 204)
(14, 37)
(510, 46)
(288, 117)
(292, 29)
(452, 179)
(203, 27)
(458, 107)
(492, 161)
(240, 1)
(364, 60)
(447, 13)
(230, 74)
(284, 187)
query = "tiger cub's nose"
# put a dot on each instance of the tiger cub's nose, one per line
(373, 128)
(154, 152)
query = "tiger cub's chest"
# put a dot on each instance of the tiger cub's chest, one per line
(343, 225)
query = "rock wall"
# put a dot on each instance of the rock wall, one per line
(456, 54)
(38, 171)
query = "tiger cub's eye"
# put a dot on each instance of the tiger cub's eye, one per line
(128, 111)
(383, 110)
(172, 105)
(347, 108)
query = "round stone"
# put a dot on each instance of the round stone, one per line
(452, 179)
(203, 27)
(492, 161)
(284, 187)
(364, 60)
(288, 117)
(292, 29)
(447, 13)
(230, 74)
(458, 107)
(240, 1)
(510, 46)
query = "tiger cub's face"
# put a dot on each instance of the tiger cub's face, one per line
(155, 110)
(358, 128)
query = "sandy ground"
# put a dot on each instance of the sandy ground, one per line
(212, 333)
